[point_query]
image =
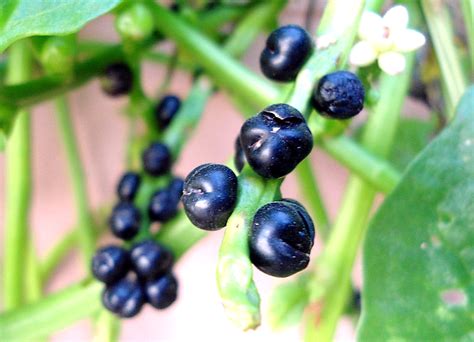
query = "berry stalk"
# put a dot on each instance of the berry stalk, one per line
(85, 230)
(18, 186)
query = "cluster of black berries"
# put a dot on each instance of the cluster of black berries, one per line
(273, 143)
(144, 273)
(339, 95)
(133, 278)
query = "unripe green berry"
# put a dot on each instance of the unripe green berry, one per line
(135, 22)
(58, 54)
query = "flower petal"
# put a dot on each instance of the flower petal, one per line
(392, 62)
(408, 40)
(362, 54)
(371, 26)
(396, 18)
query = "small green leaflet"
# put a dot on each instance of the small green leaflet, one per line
(419, 249)
(24, 18)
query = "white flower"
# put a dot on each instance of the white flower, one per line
(385, 39)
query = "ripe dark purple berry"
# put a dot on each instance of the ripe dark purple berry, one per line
(162, 292)
(150, 259)
(286, 51)
(176, 187)
(117, 79)
(125, 221)
(166, 110)
(339, 95)
(210, 195)
(128, 186)
(276, 140)
(280, 239)
(124, 298)
(110, 264)
(156, 159)
(239, 157)
(163, 205)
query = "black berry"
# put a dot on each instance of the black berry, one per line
(339, 95)
(163, 205)
(166, 110)
(117, 79)
(276, 140)
(124, 298)
(156, 159)
(110, 264)
(176, 187)
(149, 259)
(128, 186)
(209, 196)
(162, 292)
(125, 221)
(239, 157)
(303, 213)
(285, 53)
(281, 240)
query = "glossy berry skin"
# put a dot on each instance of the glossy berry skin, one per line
(110, 264)
(280, 240)
(166, 110)
(125, 221)
(239, 157)
(156, 159)
(276, 140)
(117, 79)
(161, 292)
(124, 298)
(286, 51)
(176, 187)
(163, 205)
(339, 95)
(304, 215)
(209, 196)
(128, 186)
(149, 259)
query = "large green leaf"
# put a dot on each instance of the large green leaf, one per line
(419, 249)
(24, 18)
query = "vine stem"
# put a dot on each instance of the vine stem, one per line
(18, 186)
(310, 190)
(468, 13)
(442, 35)
(86, 233)
(331, 283)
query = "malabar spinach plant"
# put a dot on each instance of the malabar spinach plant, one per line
(417, 245)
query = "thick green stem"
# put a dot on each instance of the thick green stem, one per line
(33, 285)
(442, 35)
(224, 70)
(310, 190)
(18, 186)
(86, 227)
(333, 270)
(107, 327)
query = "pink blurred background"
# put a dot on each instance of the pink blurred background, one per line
(101, 130)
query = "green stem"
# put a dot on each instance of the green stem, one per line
(107, 327)
(332, 279)
(224, 70)
(372, 169)
(33, 285)
(86, 227)
(18, 185)
(441, 30)
(310, 190)
(57, 254)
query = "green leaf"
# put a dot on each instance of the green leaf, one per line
(25, 18)
(288, 302)
(419, 250)
(412, 136)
